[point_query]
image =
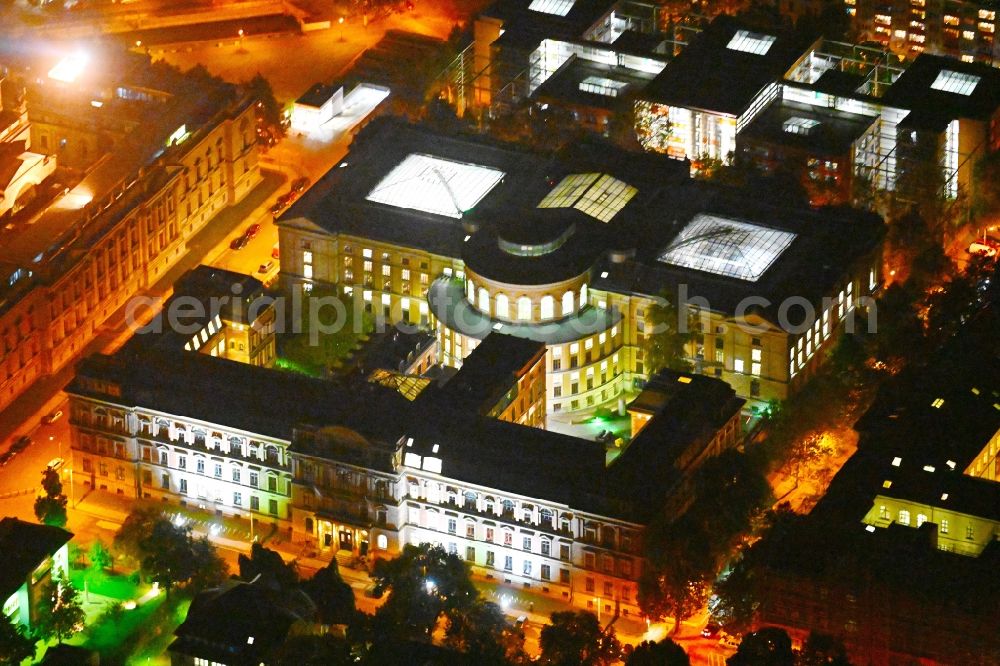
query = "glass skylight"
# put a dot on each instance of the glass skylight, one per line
(435, 185)
(600, 85)
(557, 7)
(727, 247)
(599, 195)
(798, 125)
(751, 42)
(955, 82)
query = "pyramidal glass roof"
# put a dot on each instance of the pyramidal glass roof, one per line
(727, 247)
(597, 194)
(435, 185)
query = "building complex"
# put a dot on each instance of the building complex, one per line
(471, 237)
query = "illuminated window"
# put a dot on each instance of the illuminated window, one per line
(944, 525)
(955, 82)
(567, 303)
(435, 185)
(548, 307)
(382, 542)
(307, 257)
(524, 308)
(727, 247)
(938, 403)
(738, 365)
(502, 306)
(484, 300)
(555, 7)
(968, 34)
(600, 85)
(598, 195)
(904, 517)
(751, 42)
(986, 27)
(950, 20)
(583, 296)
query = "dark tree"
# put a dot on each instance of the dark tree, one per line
(769, 646)
(823, 650)
(171, 556)
(482, 632)
(270, 118)
(423, 582)
(662, 653)
(986, 184)
(15, 645)
(575, 638)
(305, 650)
(100, 556)
(60, 614)
(333, 597)
(137, 527)
(50, 508)
(267, 564)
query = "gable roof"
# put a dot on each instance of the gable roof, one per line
(24, 546)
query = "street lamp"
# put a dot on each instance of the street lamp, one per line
(341, 22)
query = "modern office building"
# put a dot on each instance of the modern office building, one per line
(470, 236)
(33, 554)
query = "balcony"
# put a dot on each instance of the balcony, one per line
(505, 517)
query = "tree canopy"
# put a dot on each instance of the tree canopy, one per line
(267, 564)
(661, 653)
(15, 644)
(575, 638)
(60, 614)
(50, 508)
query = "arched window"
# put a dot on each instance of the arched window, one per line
(567, 308)
(488, 505)
(309, 525)
(503, 310)
(508, 507)
(545, 518)
(548, 307)
(382, 542)
(484, 300)
(470, 291)
(583, 295)
(524, 308)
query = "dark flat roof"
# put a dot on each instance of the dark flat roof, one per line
(526, 28)
(934, 108)
(318, 95)
(708, 76)
(834, 135)
(490, 371)
(24, 545)
(564, 84)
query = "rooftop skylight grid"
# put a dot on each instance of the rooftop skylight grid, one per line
(600, 85)
(599, 195)
(435, 185)
(568, 190)
(751, 42)
(605, 198)
(798, 125)
(556, 7)
(955, 82)
(727, 247)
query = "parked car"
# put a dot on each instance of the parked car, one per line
(56, 463)
(239, 243)
(711, 630)
(299, 185)
(519, 622)
(252, 231)
(266, 268)
(287, 198)
(6, 457)
(275, 254)
(20, 444)
(982, 249)
(277, 208)
(731, 642)
(52, 417)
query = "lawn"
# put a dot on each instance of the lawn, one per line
(329, 333)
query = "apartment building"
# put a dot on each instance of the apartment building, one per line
(118, 231)
(471, 237)
(957, 29)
